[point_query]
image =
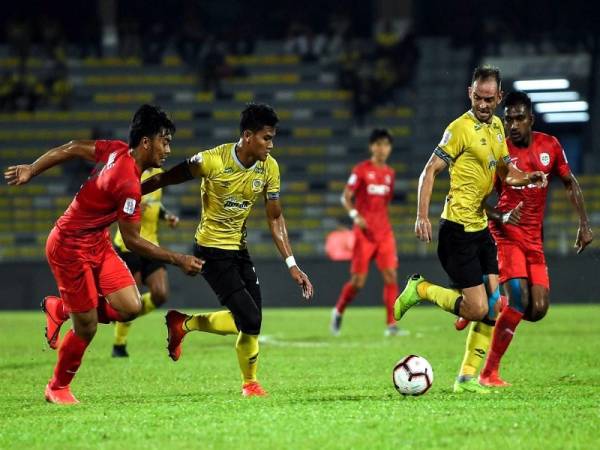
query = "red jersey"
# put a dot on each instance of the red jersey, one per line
(113, 192)
(545, 154)
(373, 189)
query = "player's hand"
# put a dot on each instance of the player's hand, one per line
(513, 217)
(17, 175)
(190, 265)
(584, 238)
(361, 222)
(302, 279)
(423, 229)
(538, 178)
(172, 220)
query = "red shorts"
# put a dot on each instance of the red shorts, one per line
(383, 250)
(519, 261)
(84, 274)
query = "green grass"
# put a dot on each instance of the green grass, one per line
(324, 392)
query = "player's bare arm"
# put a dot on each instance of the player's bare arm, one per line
(130, 231)
(515, 177)
(512, 217)
(348, 204)
(23, 173)
(584, 232)
(181, 173)
(422, 225)
(281, 239)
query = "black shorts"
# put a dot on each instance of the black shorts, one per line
(138, 264)
(232, 276)
(466, 256)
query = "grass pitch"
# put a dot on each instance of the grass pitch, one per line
(325, 392)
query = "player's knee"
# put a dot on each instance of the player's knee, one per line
(159, 296)
(251, 322)
(85, 329)
(358, 282)
(538, 311)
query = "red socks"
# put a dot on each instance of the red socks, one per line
(390, 292)
(107, 313)
(503, 333)
(70, 355)
(348, 293)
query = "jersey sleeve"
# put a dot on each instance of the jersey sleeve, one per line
(452, 143)
(272, 180)
(129, 196)
(203, 164)
(561, 165)
(103, 148)
(355, 180)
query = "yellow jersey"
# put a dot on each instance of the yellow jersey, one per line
(228, 191)
(472, 149)
(150, 205)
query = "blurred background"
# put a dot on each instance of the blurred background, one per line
(333, 70)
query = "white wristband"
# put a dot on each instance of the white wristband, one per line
(290, 261)
(353, 213)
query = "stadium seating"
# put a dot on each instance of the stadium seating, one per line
(317, 144)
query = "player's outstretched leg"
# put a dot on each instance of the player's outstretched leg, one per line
(418, 289)
(56, 315)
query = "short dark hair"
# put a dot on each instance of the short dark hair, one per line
(380, 133)
(255, 116)
(486, 72)
(515, 98)
(148, 120)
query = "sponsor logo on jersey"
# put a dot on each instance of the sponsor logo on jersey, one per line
(259, 169)
(378, 189)
(228, 170)
(371, 175)
(234, 203)
(483, 141)
(545, 158)
(129, 206)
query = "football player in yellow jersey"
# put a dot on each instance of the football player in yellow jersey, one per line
(233, 177)
(474, 149)
(145, 271)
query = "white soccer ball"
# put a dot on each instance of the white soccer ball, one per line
(412, 375)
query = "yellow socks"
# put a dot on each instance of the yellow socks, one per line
(443, 297)
(220, 322)
(246, 347)
(478, 344)
(122, 328)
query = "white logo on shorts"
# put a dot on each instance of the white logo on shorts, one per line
(129, 206)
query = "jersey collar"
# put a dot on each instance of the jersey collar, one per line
(476, 120)
(237, 160)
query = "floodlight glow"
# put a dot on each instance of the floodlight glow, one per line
(539, 85)
(557, 96)
(566, 117)
(561, 107)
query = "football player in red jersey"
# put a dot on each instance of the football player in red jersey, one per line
(516, 224)
(368, 192)
(94, 283)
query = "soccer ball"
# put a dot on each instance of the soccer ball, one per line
(412, 375)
